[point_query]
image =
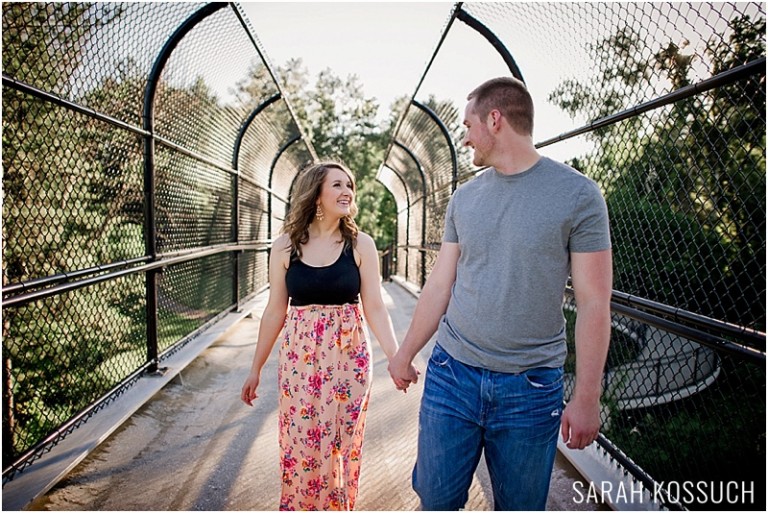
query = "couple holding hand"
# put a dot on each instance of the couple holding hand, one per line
(513, 236)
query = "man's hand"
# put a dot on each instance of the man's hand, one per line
(580, 423)
(402, 371)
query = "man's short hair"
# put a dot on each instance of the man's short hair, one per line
(509, 96)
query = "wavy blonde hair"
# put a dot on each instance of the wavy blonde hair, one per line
(303, 205)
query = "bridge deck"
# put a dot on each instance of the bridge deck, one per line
(195, 446)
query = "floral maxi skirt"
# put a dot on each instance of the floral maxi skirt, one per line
(324, 378)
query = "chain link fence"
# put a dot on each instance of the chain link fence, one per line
(148, 156)
(147, 160)
(663, 105)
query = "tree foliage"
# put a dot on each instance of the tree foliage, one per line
(686, 187)
(340, 121)
(74, 199)
(55, 179)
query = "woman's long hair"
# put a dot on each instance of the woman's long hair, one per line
(304, 206)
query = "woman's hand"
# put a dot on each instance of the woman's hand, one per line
(402, 372)
(248, 393)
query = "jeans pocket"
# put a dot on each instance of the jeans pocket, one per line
(544, 378)
(439, 357)
(441, 367)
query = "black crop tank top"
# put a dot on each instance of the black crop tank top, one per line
(335, 284)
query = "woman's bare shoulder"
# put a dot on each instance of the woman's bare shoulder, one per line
(283, 241)
(365, 241)
(281, 248)
(365, 247)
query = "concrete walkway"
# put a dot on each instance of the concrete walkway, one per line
(195, 446)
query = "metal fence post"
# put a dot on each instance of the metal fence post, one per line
(148, 119)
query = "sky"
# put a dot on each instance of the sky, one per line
(386, 44)
(389, 44)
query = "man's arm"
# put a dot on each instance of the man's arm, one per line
(432, 304)
(592, 278)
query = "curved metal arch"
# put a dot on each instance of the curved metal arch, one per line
(148, 116)
(418, 165)
(279, 154)
(236, 189)
(423, 208)
(444, 129)
(148, 123)
(245, 22)
(407, 215)
(165, 54)
(407, 196)
(443, 36)
(246, 125)
(402, 181)
(491, 38)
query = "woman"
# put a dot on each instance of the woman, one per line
(325, 266)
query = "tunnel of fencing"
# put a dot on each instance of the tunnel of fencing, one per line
(141, 197)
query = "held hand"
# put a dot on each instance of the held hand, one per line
(402, 372)
(580, 424)
(248, 394)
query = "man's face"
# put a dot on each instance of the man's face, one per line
(477, 136)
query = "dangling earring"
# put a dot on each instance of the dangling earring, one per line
(319, 214)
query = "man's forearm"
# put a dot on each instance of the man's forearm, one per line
(430, 308)
(593, 332)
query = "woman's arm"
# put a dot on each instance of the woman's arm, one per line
(273, 317)
(370, 293)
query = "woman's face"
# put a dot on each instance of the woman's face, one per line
(337, 195)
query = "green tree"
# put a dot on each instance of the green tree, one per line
(686, 194)
(340, 121)
(73, 199)
(685, 188)
(49, 218)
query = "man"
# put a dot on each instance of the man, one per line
(494, 382)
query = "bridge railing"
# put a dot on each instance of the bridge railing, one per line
(663, 105)
(142, 189)
(147, 158)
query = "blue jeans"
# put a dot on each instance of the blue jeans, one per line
(514, 418)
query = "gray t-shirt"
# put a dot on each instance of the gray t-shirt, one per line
(515, 233)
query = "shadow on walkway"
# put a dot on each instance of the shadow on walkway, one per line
(195, 446)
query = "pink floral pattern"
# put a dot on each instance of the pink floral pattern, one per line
(324, 379)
